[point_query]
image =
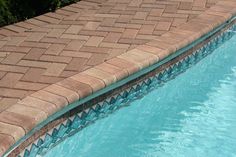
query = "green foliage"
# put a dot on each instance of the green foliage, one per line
(17, 10)
(5, 14)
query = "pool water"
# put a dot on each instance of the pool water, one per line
(193, 115)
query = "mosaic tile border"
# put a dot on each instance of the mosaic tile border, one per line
(80, 120)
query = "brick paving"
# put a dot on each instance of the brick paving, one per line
(46, 49)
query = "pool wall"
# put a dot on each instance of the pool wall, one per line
(146, 61)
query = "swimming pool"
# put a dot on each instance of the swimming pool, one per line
(193, 114)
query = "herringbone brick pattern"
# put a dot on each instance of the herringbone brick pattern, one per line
(48, 48)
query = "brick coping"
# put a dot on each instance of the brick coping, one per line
(23, 116)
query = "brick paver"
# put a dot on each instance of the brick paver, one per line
(96, 41)
(51, 47)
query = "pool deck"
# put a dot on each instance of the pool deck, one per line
(52, 60)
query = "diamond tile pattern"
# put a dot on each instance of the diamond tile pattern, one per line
(48, 48)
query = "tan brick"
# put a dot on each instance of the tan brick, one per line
(55, 69)
(2, 43)
(111, 29)
(135, 3)
(33, 74)
(133, 41)
(63, 12)
(49, 79)
(156, 12)
(70, 95)
(68, 73)
(41, 29)
(55, 33)
(163, 26)
(27, 123)
(119, 73)
(36, 64)
(6, 142)
(57, 59)
(13, 93)
(115, 52)
(161, 53)
(2, 74)
(28, 111)
(130, 33)
(15, 49)
(29, 85)
(163, 45)
(112, 37)
(15, 28)
(81, 88)
(199, 3)
(14, 130)
(4, 54)
(76, 64)
(75, 45)
(76, 54)
(47, 19)
(59, 101)
(6, 103)
(124, 64)
(171, 9)
(35, 36)
(149, 48)
(7, 32)
(74, 37)
(95, 49)
(178, 21)
(15, 41)
(174, 15)
(93, 82)
(36, 22)
(147, 29)
(185, 5)
(55, 40)
(25, 25)
(113, 45)
(35, 44)
(34, 54)
(94, 41)
(13, 58)
(124, 18)
(140, 57)
(88, 33)
(55, 49)
(73, 29)
(71, 9)
(108, 22)
(91, 26)
(141, 15)
(108, 78)
(10, 79)
(48, 108)
(12, 68)
(107, 15)
(97, 59)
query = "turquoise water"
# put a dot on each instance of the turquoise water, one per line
(193, 115)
